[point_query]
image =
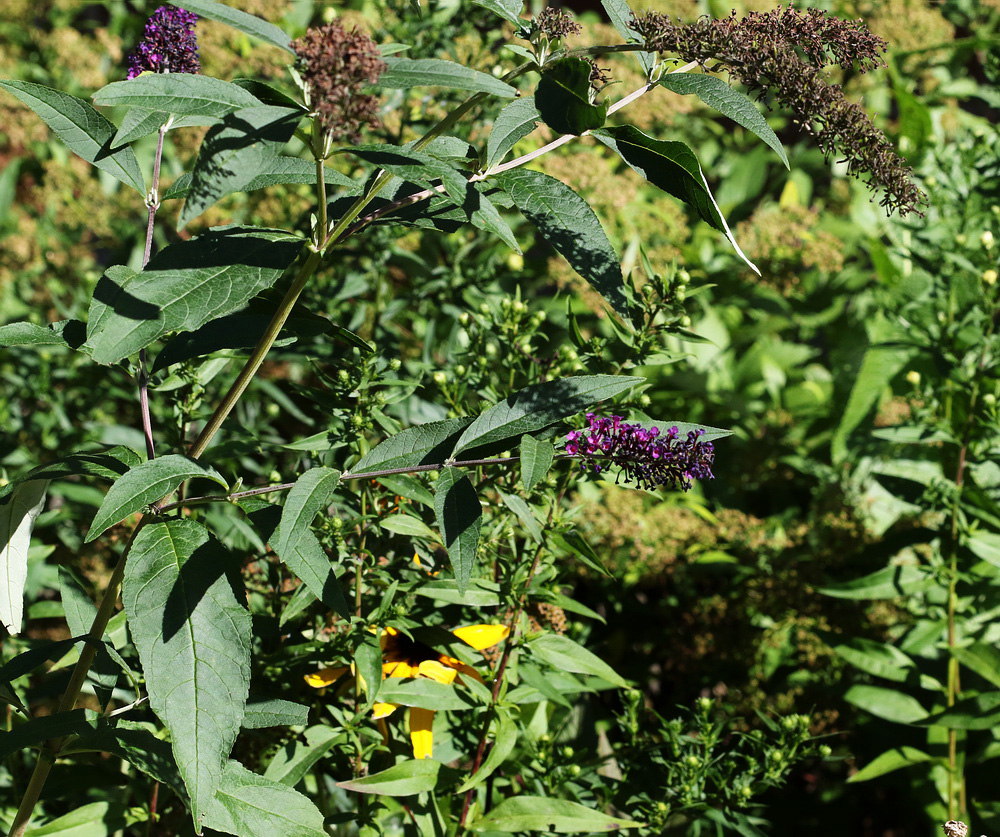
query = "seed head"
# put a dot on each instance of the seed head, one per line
(336, 65)
(555, 24)
(168, 44)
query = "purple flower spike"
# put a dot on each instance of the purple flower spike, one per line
(649, 457)
(168, 44)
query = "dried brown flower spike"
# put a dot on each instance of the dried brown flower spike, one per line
(781, 54)
(336, 66)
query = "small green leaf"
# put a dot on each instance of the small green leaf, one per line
(184, 94)
(979, 712)
(890, 760)
(982, 658)
(539, 405)
(193, 638)
(404, 524)
(536, 459)
(243, 146)
(17, 518)
(422, 692)
(503, 745)
(85, 131)
(29, 334)
(509, 10)
(460, 517)
(985, 545)
(368, 660)
(524, 514)
(513, 123)
(146, 483)
(563, 97)
(684, 427)
(888, 583)
(562, 653)
(247, 804)
(403, 779)
(715, 93)
(435, 72)
(877, 658)
(93, 820)
(261, 714)
(276, 171)
(108, 465)
(480, 593)
(295, 759)
(243, 21)
(44, 727)
(888, 704)
(185, 286)
(620, 14)
(566, 221)
(296, 545)
(674, 168)
(542, 813)
(424, 444)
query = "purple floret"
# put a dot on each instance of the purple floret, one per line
(644, 455)
(168, 44)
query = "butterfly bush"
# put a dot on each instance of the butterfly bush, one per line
(649, 457)
(168, 45)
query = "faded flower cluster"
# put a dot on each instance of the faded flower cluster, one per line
(555, 24)
(168, 44)
(782, 53)
(336, 66)
(646, 456)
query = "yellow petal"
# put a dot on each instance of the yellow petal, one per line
(482, 636)
(421, 721)
(435, 670)
(324, 677)
(384, 710)
(399, 669)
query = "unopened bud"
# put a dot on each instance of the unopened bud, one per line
(990, 277)
(439, 377)
(986, 239)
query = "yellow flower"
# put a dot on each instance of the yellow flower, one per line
(405, 657)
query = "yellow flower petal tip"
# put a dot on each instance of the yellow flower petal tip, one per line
(421, 737)
(324, 677)
(481, 637)
(438, 671)
(383, 710)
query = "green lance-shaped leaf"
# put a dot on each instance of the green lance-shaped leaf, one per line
(566, 221)
(715, 93)
(672, 167)
(542, 813)
(413, 165)
(620, 14)
(296, 758)
(539, 405)
(80, 612)
(249, 805)
(17, 519)
(435, 72)
(460, 518)
(44, 727)
(423, 692)
(183, 94)
(184, 286)
(139, 122)
(888, 704)
(887, 583)
(890, 760)
(69, 333)
(278, 170)
(513, 123)
(296, 545)
(536, 459)
(85, 131)
(108, 465)
(235, 152)
(503, 744)
(424, 444)
(978, 712)
(192, 633)
(133, 742)
(509, 10)
(403, 779)
(146, 483)
(982, 658)
(563, 97)
(244, 22)
(563, 654)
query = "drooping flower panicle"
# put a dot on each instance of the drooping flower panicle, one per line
(336, 66)
(168, 44)
(649, 457)
(782, 53)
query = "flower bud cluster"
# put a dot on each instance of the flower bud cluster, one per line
(168, 44)
(646, 456)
